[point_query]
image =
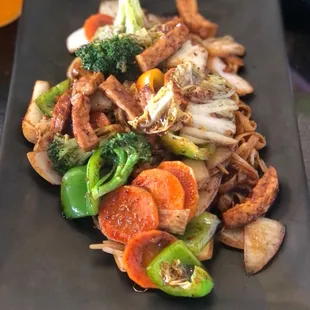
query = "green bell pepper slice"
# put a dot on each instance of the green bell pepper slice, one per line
(199, 231)
(46, 101)
(178, 272)
(93, 176)
(182, 146)
(74, 196)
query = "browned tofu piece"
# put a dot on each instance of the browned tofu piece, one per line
(188, 10)
(264, 193)
(117, 93)
(83, 132)
(61, 112)
(163, 48)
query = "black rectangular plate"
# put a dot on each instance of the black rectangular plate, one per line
(44, 260)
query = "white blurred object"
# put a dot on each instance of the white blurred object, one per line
(76, 39)
(109, 8)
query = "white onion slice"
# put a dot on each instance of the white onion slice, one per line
(220, 106)
(217, 65)
(209, 136)
(75, 40)
(42, 165)
(196, 54)
(213, 124)
(195, 140)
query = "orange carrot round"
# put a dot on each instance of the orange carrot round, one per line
(165, 188)
(186, 177)
(93, 22)
(140, 251)
(126, 212)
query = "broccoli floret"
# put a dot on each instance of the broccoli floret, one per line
(65, 153)
(112, 56)
(130, 17)
(122, 152)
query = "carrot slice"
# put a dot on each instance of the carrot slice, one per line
(165, 188)
(141, 250)
(93, 22)
(126, 212)
(187, 179)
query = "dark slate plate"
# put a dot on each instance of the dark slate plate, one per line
(44, 260)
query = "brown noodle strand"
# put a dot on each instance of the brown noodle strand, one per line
(223, 169)
(224, 202)
(246, 135)
(245, 161)
(245, 109)
(229, 185)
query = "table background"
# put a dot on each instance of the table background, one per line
(297, 35)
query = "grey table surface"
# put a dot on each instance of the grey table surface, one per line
(298, 47)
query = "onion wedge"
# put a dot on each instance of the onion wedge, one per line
(200, 170)
(42, 165)
(173, 221)
(223, 46)
(262, 240)
(232, 237)
(207, 251)
(207, 195)
(33, 115)
(217, 66)
(209, 136)
(75, 40)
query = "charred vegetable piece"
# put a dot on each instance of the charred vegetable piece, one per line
(177, 271)
(182, 146)
(199, 231)
(47, 100)
(74, 198)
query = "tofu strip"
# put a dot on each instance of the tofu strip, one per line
(187, 6)
(163, 48)
(61, 112)
(117, 93)
(83, 132)
(188, 10)
(170, 25)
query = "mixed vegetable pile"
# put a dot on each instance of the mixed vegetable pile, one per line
(148, 135)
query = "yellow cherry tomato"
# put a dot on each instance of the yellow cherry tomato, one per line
(154, 78)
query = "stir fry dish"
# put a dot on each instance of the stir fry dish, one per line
(148, 137)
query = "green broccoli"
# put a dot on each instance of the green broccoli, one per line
(130, 17)
(112, 56)
(65, 153)
(122, 153)
(130, 21)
